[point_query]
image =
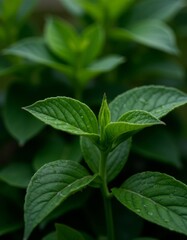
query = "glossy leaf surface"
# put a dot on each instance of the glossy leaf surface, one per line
(156, 197)
(157, 100)
(49, 187)
(66, 114)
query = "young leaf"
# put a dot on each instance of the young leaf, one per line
(67, 233)
(91, 43)
(156, 197)
(152, 33)
(66, 114)
(130, 123)
(49, 187)
(104, 116)
(35, 50)
(61, 39)
(157, 100)
(116, 159)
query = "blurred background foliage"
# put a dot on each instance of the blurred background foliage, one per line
(82, 49)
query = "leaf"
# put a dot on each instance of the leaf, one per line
(21, 126)
(155, 9)
(130, 123)
(104, 116)
(116, 159)
(72, 6)
(67, 233)
(56, 148)
(151, 33)
(157, 100)
(145, 238)
(35, 50)
(50, 236)
(158, 144)
(105, 64)
(61, 38)
(49, 187)
(91, 44)
(156, 197)
(117, 7)
(66, 114)
(17, 174)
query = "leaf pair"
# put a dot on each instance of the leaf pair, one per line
(68, 51)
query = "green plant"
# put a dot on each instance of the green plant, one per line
(105, 144)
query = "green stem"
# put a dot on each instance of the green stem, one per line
(106, 197)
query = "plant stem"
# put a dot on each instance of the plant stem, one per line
(106, 197)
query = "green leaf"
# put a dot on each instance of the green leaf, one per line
(17, 174)
(104, 116)
(105, 64)
(151, 33)
(21, 126)
(158, 144)
(155, 9)
(50, 236)
(67, 233)
(157, 100)
(117, 7)
(72, 6)
(116, 159)
(49, 187)
(61, 38)
(35, 50)
(145, 238)
(66, 114)
(130, 123)
(91, 44)
(156, 197)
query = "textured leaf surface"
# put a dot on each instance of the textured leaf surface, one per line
(152, 33)
(157, 100)
(35, 50)
(66, 114)
(129, 123)
(156, 197)
(49, 187)
(116, 159)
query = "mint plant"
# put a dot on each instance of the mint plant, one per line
(105, 143)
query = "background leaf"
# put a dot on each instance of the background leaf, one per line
(156, 197)
(35, 50)
(17, 174)
(155, 9)
(18, 122)
(67, 233)
(66, 114)
(61, 38)
(157, 100)
(50, 186)
(151, 33)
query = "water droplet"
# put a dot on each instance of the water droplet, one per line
(138, 210)
(166, 220)
(145, 205)
(82, 116)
